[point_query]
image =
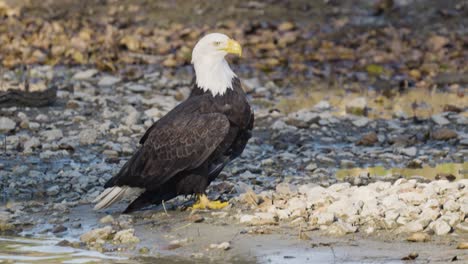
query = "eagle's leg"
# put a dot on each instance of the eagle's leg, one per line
(204, 203)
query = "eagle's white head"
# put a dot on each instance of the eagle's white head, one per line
(211, 69)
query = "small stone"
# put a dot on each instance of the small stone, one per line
(462, 227)
(144, 250)
(413, 198)
(435, 43)
(52, 135)
(196, 218)
(440, 227)
(95, 234)
(108, 81)
(126, 236)
(418, 237)
(223, 246)
(444, 134)
(85, 75)
(59, 229)
(285, 188)
(411, 256)
(463, 245)
(53, 190)
(341, 229)
(286, 26)
(311, 167)
(357, 106)
(322, 105)
(6, 124)
(88, 136)
(440, 120)
(368, 139)
(138, 88)
(414, 226)
(325, 218)
(361, 122)
(410, 152)
(108, 219)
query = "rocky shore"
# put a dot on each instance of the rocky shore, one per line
(303, 172)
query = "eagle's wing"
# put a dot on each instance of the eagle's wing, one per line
(184, 143)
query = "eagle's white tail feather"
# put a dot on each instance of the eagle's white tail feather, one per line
(115, 194)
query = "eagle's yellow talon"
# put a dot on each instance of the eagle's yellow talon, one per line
(204, 203)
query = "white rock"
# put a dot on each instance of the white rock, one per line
(356, 106)
(285, 188)
(296, 203)
(462, 227)
(223, 246)
(132, 118)
(108, 81)
(340, 229)
(452, 218)
(281, 125)
(414, 226)
(428, 215)
(413, 198)
(53, 134)
(88, 136)
(53, 190)
(451, 205)
(440, 227)
(325, 218)
(311, 167)
(154, 113)
(305, 116)
(411, 151)
(31, 143)
(361, 122)
(7, 124)
(85, 75)
(343, 208)
(322, 105)
(440, 120)
(138, 88)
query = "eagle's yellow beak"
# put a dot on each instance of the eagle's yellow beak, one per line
(233, 47)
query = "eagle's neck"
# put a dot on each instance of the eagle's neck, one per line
(213, 75)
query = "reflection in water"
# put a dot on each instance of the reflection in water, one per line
(21, 250)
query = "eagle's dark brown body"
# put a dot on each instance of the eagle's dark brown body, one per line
(187, 148)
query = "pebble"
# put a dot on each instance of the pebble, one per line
(108, 81)
(53, 190)
(444, 134)
(356, 106)
(418, 237)
(7, 124)
(95, 234)
(440, 120)
(462, 245)
(85, 75)
(88, 136)
(223, 246)
(108, 219)
(440, 227)
(410, 152)
(126, 236)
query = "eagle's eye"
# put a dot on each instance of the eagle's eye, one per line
(217, 43)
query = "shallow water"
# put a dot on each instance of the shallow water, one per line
(24, 250)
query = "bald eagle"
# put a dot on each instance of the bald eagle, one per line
(185, 150)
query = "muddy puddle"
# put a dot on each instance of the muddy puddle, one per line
(458, 170)
(422, 103)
